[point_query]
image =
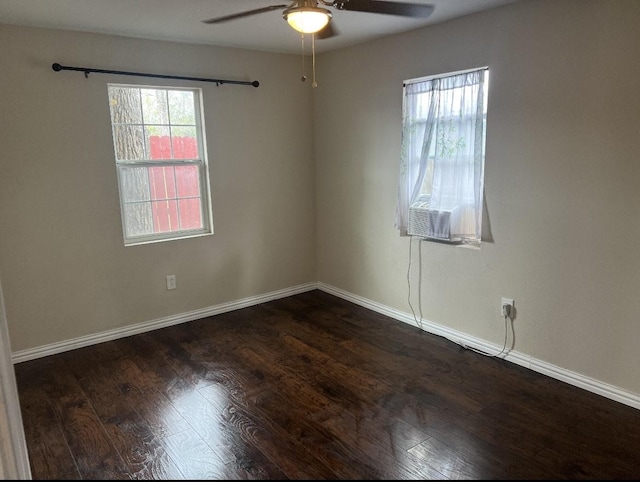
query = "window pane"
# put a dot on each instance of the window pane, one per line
(129, 142)
(184, 142)
(137, 219)
(165, 216)
(158, 142)
(158, 124)
(163, 183)
(190, 216)
(134, 183)
(125, 105)
(181, 107)
(188, 181)
(154, 106)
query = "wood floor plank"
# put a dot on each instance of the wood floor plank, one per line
(311, 387)
(228, 439)
(290, 420)
(194, 457)
(92, 450)
(50, 454)
(139, 445)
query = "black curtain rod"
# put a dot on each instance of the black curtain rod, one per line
(57, 67)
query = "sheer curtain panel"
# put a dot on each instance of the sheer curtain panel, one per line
(443, 151)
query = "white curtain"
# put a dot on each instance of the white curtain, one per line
(442, 158)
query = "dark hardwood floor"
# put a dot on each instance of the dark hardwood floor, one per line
(312, 387)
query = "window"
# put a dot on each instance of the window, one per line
(162, 170)
(440, 194)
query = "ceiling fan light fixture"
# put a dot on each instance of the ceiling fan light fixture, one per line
(307, 19)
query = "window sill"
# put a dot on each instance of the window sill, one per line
(467, 245)
(140, 242)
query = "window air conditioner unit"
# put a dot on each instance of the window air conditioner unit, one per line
(425, 222)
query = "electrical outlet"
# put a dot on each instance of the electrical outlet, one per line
(506, 307)
(171, 282)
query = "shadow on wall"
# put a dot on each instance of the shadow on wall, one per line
(487, 237)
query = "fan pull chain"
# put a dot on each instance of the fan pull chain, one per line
(304, 77)
(313, 59)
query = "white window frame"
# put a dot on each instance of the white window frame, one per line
(201, 162)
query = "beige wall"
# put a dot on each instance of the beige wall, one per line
(562, 177)
(562, 181)
(65, 269)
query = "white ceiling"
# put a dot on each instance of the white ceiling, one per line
(181, 21)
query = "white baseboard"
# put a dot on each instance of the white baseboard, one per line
(54, 348)
(567, 376)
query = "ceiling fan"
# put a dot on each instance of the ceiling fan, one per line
(306, 16)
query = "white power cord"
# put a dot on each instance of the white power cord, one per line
(506, 309)
(507, 316)
(418, 322)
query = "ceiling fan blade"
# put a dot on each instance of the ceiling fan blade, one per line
(244, 14)
(328, 32)
(389, 8)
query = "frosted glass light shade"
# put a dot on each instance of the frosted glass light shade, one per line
(307, 20)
